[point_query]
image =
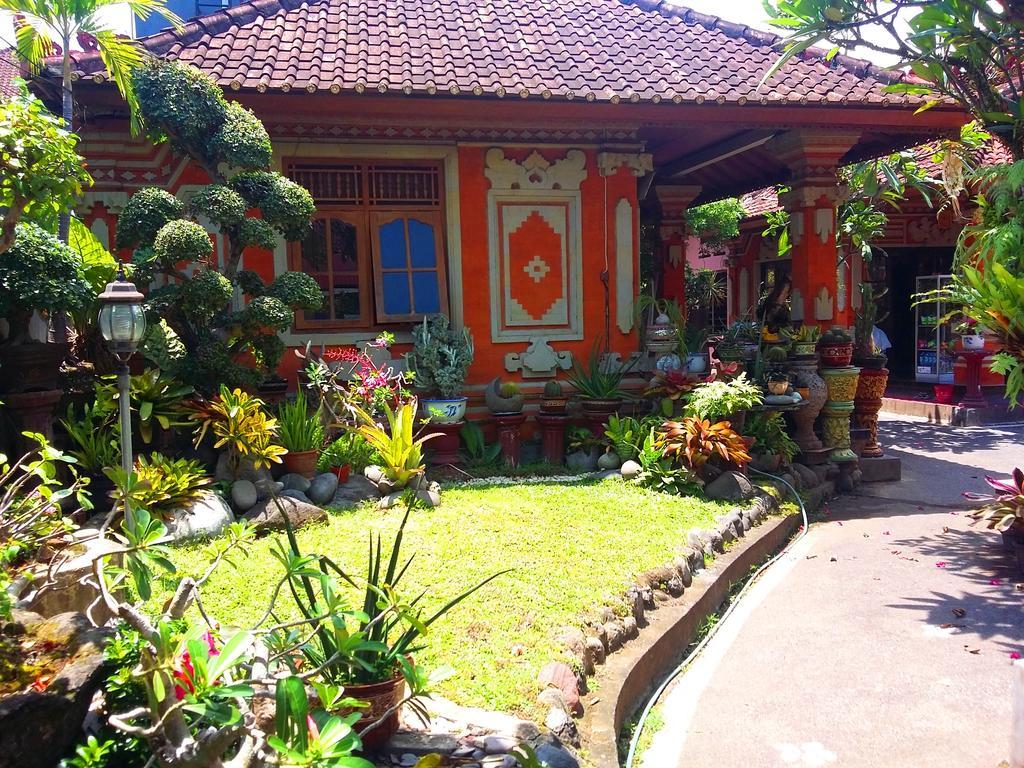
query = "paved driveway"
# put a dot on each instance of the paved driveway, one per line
(852, 651)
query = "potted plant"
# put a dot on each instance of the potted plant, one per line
(865, 353)
(397, 446)
(349, 453)
(671, 387)
(599, 386)
(38, 274)
(301, 433)
(835, 348)
(439, 360)
(554, 400)
(772, 446)
(803, 340)
(692, 348)
(777, 382)
(1004, 511)
(503, 397)
(584, 450)
(364, 653)
(660, 334)
(242, 429)
(718, 399)
(971, 337)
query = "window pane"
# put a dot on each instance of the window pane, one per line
(392, 245)
(421, 244)
(314, 248)
(396, 293)
(426, 292)
(344, 256)
(346, 301)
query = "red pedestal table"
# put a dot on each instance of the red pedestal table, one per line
(973, 396)
(509, 428)
(552, 435)
(444, 449)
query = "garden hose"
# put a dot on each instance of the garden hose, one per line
(635, 739)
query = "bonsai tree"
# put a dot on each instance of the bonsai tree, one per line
(204, 338)
(38, 273)
(867, 318)
(440, 356)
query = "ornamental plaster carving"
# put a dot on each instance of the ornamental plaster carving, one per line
(811, 196)
(796, 301)
(796, 227)
(535, 172)
(856, 278)
(841, 286)
(538, 361)
(824, 224)
(624, 265)
(675, 255)
(114, 202)
(823, 305)
(638, 163)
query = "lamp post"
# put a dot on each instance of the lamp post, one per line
(123, 324)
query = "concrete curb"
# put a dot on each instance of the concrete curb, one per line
(639, 666)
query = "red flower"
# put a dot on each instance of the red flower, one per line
(185, 673)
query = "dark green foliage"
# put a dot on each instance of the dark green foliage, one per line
(206, 294)
(144, 214)
(181, 240)
(221, 205)
(258, 234)
(246, 204)
(39, 272)
(296, 290)
(242, 141)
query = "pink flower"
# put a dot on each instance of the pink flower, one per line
(995, 582)
(1014, 655)
(185, 673)
(940, 564)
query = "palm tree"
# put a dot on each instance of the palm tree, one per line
(41, 25)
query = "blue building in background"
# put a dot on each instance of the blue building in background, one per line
(186, 9)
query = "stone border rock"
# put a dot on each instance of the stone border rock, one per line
(634, 671)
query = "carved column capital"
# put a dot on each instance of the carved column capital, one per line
(637, 163)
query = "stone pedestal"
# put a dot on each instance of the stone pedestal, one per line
(870, 390)
(510, 437)
(32, 412)
(805, 374)
(552, 435)
(444, 449)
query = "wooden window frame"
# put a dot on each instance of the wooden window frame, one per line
(368, 211)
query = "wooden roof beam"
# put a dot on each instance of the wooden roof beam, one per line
(736, 144)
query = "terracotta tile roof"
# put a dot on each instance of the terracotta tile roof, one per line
(603, 50)
(9, 70)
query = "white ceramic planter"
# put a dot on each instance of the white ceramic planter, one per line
(696, 362)
(974, 341)
(444, 410)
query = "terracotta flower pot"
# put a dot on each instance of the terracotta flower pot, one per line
(342, 473)
(381, 697)
(300, 462)
(555, 405)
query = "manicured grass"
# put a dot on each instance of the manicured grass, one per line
(573, 548)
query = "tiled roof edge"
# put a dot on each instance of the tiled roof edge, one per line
(859, 67)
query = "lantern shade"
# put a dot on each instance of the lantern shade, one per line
(122, 323)
(122, 319)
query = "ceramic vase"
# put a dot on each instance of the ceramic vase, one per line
(805, 376)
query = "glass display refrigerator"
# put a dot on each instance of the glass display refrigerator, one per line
(935, 342)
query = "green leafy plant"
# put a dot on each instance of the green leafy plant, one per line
(713, 400)
(163, 484)
(661, 473)
(95, 439)
(478, 451)
(770, 436)
(399, 449)
(866, 318)
(715, 223)
(350, 448)
(581, 439)
(298, 429)
(310, 737)
(805, 334)
(440, 356)
(596, 381)
(626, 435)
(158, 399)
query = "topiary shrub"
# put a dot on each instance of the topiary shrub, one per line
(208, 338)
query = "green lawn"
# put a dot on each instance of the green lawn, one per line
(573, 548)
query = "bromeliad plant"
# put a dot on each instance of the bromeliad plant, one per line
(163, 484)
(159, 400)
(1004, 509)
(94, 437)
(298, 429)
